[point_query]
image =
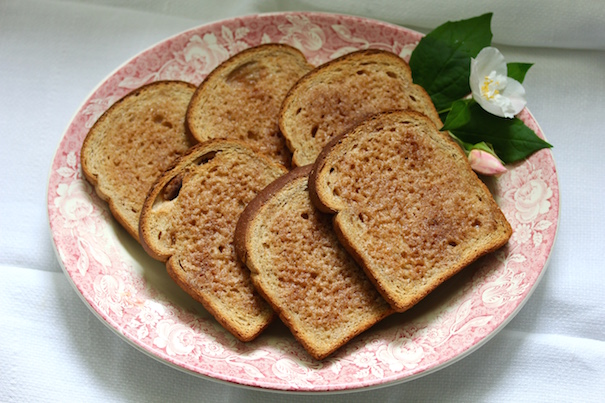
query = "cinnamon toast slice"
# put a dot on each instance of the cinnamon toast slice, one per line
(300, 268)
(132, 143)
(188, 221)
(336, 95)
(407, 204)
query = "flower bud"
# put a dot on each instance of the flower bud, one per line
(485, 163)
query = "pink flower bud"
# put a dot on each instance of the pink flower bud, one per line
(485, 163)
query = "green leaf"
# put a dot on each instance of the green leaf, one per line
(458, 116)
(511, 139)
(518, 71)
(441, 61)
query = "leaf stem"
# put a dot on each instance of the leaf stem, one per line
(468, 99)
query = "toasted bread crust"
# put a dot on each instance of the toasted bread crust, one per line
(337, 95)
(241, 98)
(425, 216)
(130, 145)
(318, 291)
(188, 221)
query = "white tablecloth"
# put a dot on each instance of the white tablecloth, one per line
(52, 348)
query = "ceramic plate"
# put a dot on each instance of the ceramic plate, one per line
(134, 296)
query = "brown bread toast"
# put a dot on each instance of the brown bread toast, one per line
(188, 221)
(132, 143)
(300, 268)
(335, 96)
(240, 99)
(408, 206)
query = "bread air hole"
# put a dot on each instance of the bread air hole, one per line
(159, 119)
(314, 130)
(248, 72)
(172, 188)
(205, 158)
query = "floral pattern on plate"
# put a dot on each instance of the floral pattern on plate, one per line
(134, 296)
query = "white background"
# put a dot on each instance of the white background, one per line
(52, 348)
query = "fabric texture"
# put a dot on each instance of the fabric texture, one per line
(53, 348)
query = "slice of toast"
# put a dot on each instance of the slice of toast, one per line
(335, 96)
(132, 143)
(301, 269)
(408, 206)
(241, 98)
(188, 221)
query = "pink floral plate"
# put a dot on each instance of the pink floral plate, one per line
(134, 296)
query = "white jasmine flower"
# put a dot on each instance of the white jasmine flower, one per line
(492, 89)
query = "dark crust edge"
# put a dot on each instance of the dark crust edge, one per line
(317, 168)
(242, 336)
(226, 65)
(345, 239)
(92, 134)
